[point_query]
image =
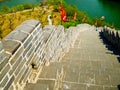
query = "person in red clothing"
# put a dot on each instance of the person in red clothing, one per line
(75, 15)
(63, 13)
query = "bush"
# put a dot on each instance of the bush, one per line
(5, 9)
(68, 24)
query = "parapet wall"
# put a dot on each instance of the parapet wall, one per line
(112, 36)
(27, 48)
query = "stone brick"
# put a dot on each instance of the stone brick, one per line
(2, 56)
(15, 65)
(39, 44)
(9, 83)
(26, 28)
(27, 48)
(8, 56)
(3, 63)
(34, 32)
(20, 74)
(28, 41)
(20, 65)
(20, 36)
(4, 71)
(19, 53)
(10, 46)
(4, 81)
(1, 46)
(23, 76)
(31, 22)
(30, 52)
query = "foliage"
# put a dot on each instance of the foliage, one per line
(5, 9)
(70, 23)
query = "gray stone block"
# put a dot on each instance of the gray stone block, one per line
(1, 46)
(10, 46)
(15, 65)
(31, 22)
(20, 74)
(4, 71)
(30, 52)
(20, 65)
(2, 56)
(20, 36)
(23, 76)
(25, 28)
(4, 81)
(17, 55)
(9, 83)
(27, 42)
(27, 49)
(3, 63)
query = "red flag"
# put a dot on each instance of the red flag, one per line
(63, 14)
(75, 15)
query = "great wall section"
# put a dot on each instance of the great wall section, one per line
(29, 47)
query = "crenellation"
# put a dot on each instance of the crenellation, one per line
(112, 36)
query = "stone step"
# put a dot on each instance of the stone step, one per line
(50, 72)
(41, 85)
(36, 86)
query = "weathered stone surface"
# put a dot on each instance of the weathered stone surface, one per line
(2, 56)
(19, 64)
(23, 76)
(9, 83)
(15, 65)
(3, 64)
(4, 71)
(1, 46)
(10, 46)
(20, 74)
(4, 81)
(89, 65)
(17, 35)
(31, 22)
(27, 42)
(17, 55)
(26, 28)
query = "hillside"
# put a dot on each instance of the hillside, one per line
(8, 22)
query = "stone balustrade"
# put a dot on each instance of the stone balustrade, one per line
(112, 36)
(26, 49)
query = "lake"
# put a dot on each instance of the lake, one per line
(11, 3)
(95, 8)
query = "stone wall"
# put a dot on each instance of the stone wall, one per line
(113, 36)
(26, 49)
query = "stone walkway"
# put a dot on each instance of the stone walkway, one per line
(89, 65)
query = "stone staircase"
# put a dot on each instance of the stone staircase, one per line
(89, 65)
(48, 78)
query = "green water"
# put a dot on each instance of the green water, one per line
(11, 3)
(97, 8)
